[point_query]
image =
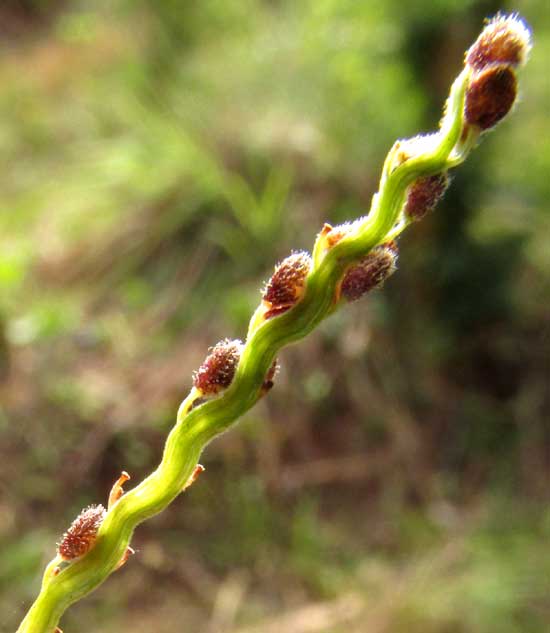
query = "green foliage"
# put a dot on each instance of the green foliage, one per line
(140, 142)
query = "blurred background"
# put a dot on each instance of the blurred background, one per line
(157, 159)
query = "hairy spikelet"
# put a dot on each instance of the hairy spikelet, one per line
(424, 194)
(287, 284)
(81, 535)
(490, 96)
(370, 272)
(218, 369)
(504, 40)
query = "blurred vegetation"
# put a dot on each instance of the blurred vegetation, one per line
(157, 159)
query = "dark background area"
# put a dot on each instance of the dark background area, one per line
(157, 159)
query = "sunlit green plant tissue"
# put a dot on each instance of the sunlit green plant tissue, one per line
(347, 262)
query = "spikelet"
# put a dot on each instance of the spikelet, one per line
(218, 369)
(81, 535)
(504, 40)
(490, 96)
(370, 272)
(287, 284)
(424, 194)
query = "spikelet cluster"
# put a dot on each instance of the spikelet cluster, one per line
(502, 47)
(81, 535)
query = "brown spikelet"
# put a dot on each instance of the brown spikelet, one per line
(424, 194)
(218, 369)
(370, 272)
(490, 96)
(81, 535)
(287, 284)
(504, 40)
